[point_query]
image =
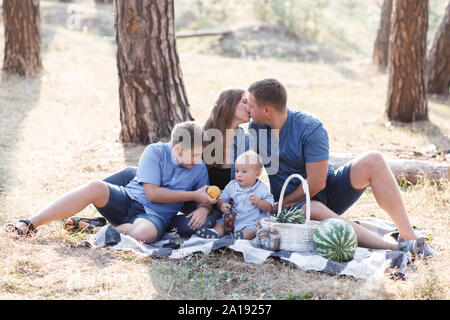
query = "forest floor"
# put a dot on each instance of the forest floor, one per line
(61, 130)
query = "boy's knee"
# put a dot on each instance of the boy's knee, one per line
(99, 192)
(97, 186)
(143, 230)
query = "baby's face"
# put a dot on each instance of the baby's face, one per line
(246, 174)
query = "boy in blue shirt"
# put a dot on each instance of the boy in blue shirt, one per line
(252, 200)
(168, 175)
(301, 146)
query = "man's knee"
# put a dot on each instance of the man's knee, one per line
(374, 158)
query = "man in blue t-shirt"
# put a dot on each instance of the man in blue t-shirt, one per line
(297, 142)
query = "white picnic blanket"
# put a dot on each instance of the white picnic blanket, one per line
(365, 263)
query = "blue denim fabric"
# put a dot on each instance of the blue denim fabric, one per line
(122, 209)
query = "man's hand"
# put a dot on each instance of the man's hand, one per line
(274, 210)
(198, 217)
(202, 196)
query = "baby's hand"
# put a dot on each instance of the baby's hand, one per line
(225, 207)
(254, 199)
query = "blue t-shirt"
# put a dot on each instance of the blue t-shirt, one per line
(158, 166)
(247, 214)
(302, 139)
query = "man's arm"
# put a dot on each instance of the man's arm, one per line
(317, 179)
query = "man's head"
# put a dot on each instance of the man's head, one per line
(248, 167)
(266, 97)
(188, 140)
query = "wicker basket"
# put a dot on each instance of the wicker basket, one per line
(294, 237)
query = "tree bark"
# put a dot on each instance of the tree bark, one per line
(407, 101)
(381, 47)
(438, 66)
(410, 170)
(151, 90)
(22, 54)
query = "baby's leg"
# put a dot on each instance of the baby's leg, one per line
(249, 234)
(220, 229)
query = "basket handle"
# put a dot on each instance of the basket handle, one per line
(305, 189)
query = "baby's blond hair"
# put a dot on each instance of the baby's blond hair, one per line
(250, 157)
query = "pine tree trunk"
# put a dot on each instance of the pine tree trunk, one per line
(407, 101)
(151, 90)
(22, 37)
(438, 66)
(381, 47)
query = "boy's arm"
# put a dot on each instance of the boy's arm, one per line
(158, 194)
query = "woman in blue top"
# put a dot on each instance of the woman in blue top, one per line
(229, 112)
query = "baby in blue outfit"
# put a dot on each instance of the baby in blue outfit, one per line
(252, 199)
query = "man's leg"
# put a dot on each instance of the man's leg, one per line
(366, 238)
(371, 169)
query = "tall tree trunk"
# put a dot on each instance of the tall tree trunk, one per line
(151, 90)
(407, 101)
(22, 37)
(381, 47)
(438, 66)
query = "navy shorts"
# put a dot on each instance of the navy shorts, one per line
(338, 195)
(122, 209)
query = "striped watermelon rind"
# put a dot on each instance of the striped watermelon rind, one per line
(335, 239)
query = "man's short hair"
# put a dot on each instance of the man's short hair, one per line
(189, 134)
(269, 92)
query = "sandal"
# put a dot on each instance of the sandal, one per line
(12, 228)
(73, 224)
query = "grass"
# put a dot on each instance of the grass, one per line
(61, 130)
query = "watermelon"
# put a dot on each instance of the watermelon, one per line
(335, 239)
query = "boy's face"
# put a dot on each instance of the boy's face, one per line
(246, 174)
(188, 157)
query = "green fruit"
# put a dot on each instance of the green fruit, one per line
(335, 239)
(291, 215)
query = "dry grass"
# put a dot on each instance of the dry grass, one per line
(61, 130)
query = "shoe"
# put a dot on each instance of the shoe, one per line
(207, 233)
(417, 248)
(73, 224)
(238, 235)
(13, 229)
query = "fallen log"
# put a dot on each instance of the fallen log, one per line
(202, 33)
(410, 170)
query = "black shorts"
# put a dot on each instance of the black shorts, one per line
(122, 209)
